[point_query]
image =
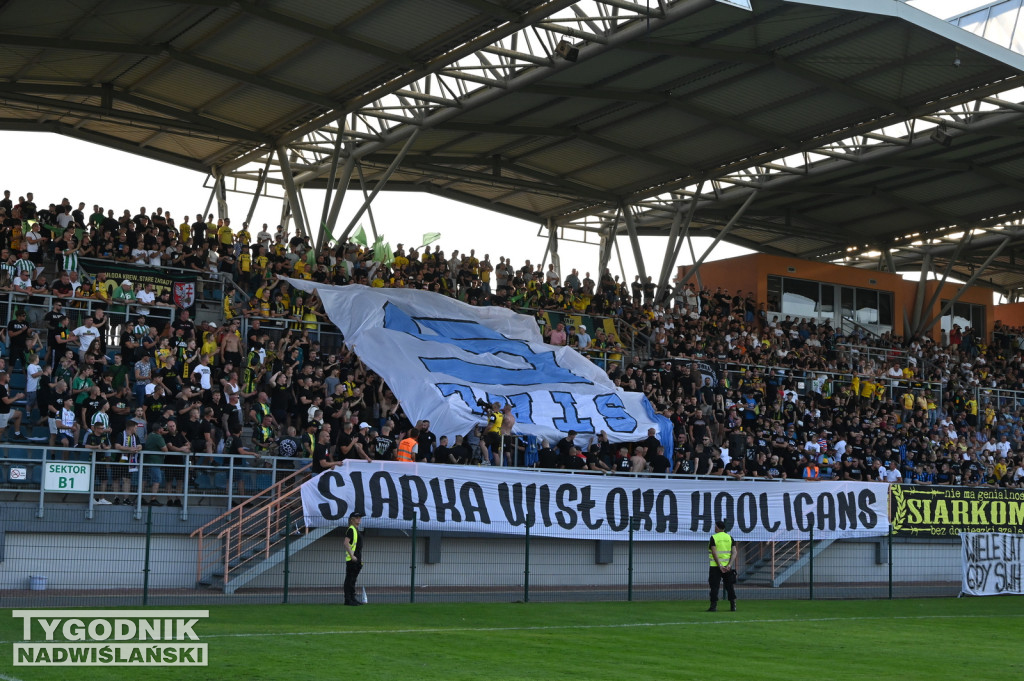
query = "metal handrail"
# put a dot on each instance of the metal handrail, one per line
(267, 521)
(222, 521)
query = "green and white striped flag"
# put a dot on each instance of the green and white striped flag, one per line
(430, 237)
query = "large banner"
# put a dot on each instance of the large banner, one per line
(441, 356)
(992, 563)
(182, 285)
(948, 511)
(503, 500)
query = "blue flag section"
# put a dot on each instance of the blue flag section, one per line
(441, 356)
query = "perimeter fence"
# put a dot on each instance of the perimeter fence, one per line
(152, 560)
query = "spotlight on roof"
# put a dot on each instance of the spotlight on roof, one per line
(567, 50)
(942, 137)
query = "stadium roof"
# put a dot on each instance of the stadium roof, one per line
(826, 129)
(198, 82)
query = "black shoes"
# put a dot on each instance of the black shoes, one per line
(732, 606)
(713, 608)
(352, 603)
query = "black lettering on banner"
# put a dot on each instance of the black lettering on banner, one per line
(993, 563)
(700, 512)
(512, 504)
(746, 513)
(643, 504)
(667, 510)
(586, 506)
(566, 515)
(383, 491)
(766, 515)
(847, 509)
(804, 521)
(357, 483)
(414, 496)
(826, 512)
(473, 505)
(335, 508)
(545, 505)
(787, 509)
(531, 504)
(725, 510)
(617, 509)
(445, 501)
(866, 500)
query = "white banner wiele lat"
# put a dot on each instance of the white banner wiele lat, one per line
(501, 500)
(440, 356)
(993, 563)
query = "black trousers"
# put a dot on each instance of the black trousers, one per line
(352, 568)
(715, 579)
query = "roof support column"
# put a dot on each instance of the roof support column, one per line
(331, 177)
(926, 266)
(607, 242)
(220, 191)
(209, 201)
(675, 243)
(381, 182)
(967, 284)
(369, 207)
(339, 196)
(291, 192)
(721, 235)
(552, 247)
(918, 330)
(634, 241)
(260, 184)
(889, 264)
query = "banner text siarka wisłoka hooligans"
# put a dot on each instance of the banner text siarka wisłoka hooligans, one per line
(592, 507)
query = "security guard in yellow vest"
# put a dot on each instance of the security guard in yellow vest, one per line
(722, 559)
(353, 558)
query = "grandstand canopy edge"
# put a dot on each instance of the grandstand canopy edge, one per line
(856, 122)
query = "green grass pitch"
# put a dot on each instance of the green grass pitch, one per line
(975, 638)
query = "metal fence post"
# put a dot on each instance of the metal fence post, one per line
(145, 567)
(526, 566)
(890, 561)
(810, 564)
(629, 586)
(287, 551)
(412, 564)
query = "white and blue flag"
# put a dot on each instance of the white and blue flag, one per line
(440, 356)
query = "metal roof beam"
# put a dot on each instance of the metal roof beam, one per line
(182, 56)
(102, 112)
(331, 35)
(18, 125)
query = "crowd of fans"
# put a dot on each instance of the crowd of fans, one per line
(750, 392)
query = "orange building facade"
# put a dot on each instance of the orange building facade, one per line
(879, 302)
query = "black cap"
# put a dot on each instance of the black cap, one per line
(356, 514)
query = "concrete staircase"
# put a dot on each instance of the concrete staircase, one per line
(774, 563)
(253, 537)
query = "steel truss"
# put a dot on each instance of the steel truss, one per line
(374, 135)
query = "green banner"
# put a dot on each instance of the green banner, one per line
(182, 285)
(925, 511)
